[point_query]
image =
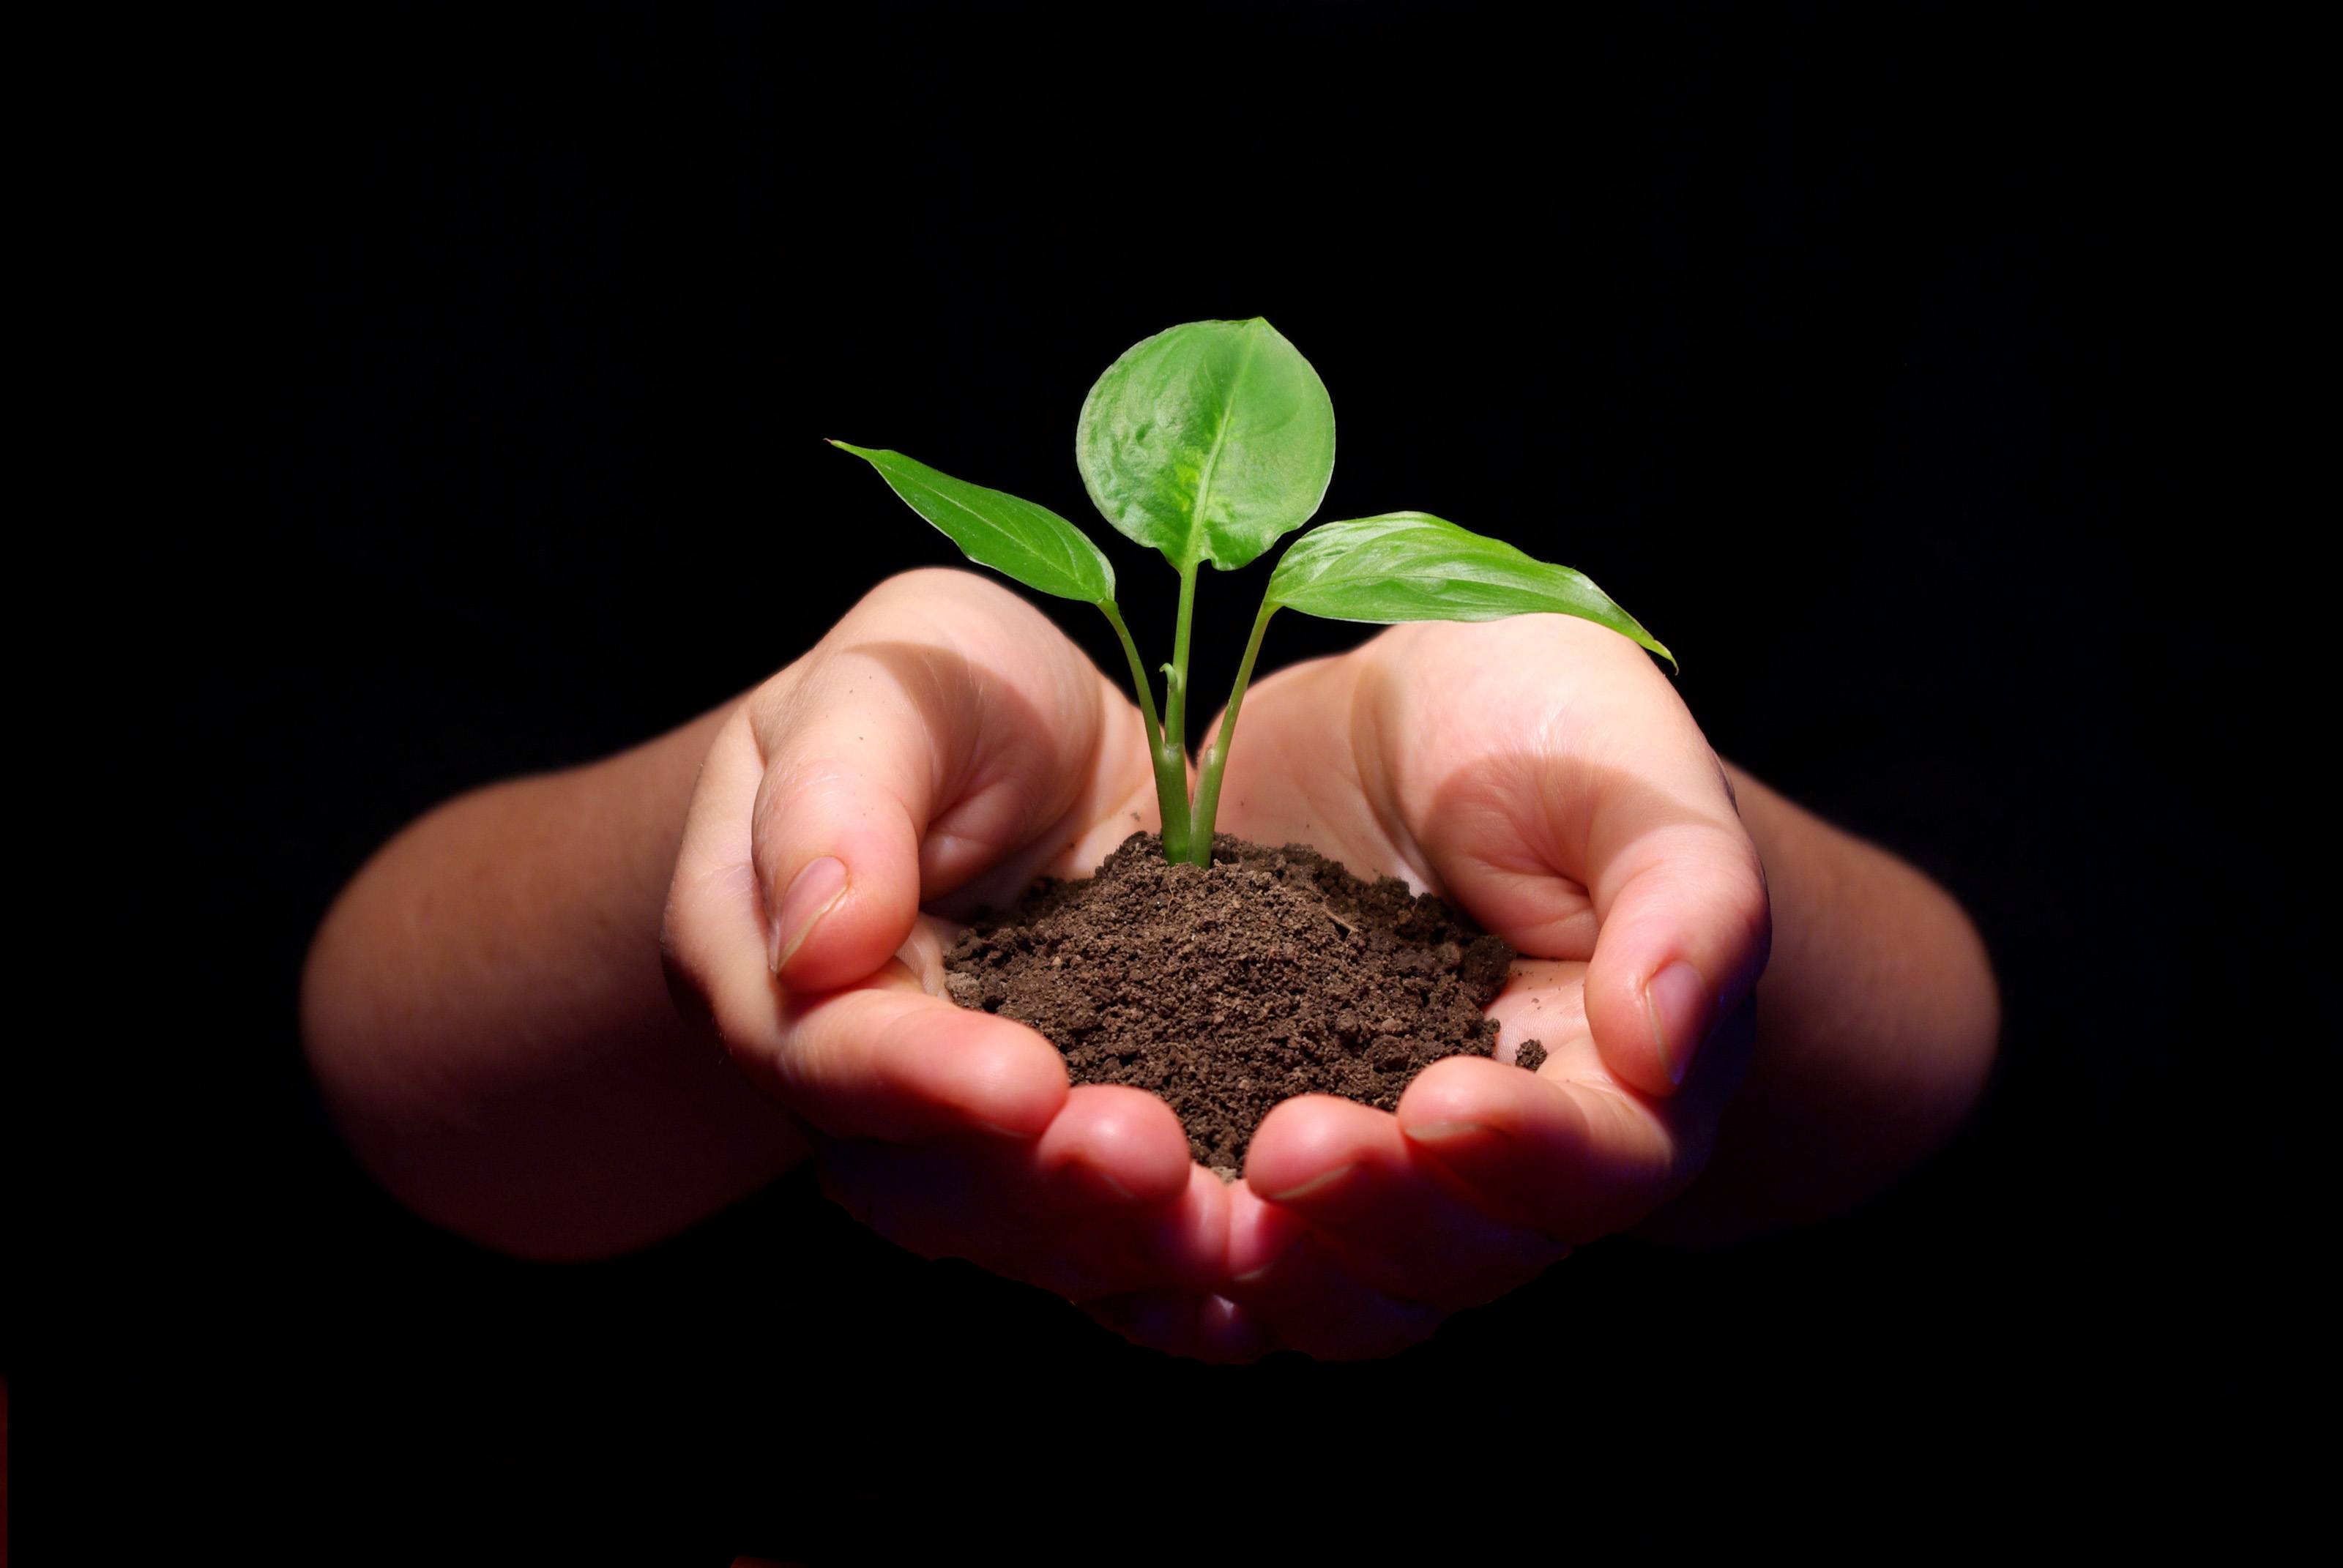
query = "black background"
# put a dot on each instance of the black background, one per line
(1844, 345)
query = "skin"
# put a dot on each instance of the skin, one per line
(568, 1015)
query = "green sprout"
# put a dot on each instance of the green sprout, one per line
(1210, 442)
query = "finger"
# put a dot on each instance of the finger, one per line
(1402, 1221)
(943, 725)
(851, 775)
(1182, 1247)
(979, 1199)
(1109, 1150)
(1112, 1146)
(1571, 1158)
(1306, 1299)
(891, 1061)
(1685, 930)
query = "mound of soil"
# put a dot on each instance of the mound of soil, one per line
(1273, 973)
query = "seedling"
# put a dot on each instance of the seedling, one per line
(1211, 442)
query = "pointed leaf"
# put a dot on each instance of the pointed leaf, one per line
(995, 528)
(1208, 442)
(1412, 566)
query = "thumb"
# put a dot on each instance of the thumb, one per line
(1685, 930)
(945, 727)
(847, 792)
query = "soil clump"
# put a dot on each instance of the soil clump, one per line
(1274, 972)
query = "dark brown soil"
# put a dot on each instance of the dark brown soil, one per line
(1274, 973)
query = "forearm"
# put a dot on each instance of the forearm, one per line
(485, 1012)
(1877, 1023)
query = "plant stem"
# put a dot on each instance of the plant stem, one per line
(1176, 689)
(1216, 756)
(1166, 756)
(1175, 733)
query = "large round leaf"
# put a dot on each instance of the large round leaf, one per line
(1208, 442)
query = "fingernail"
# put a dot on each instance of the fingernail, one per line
(1267, 1243)
(1316, 1184)
(1444, 1132)
(1679, 1005)
(1084, 1179)
(1260, 1270)
(811, 895)
(1002, 1130)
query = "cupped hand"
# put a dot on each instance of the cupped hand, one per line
(1541, 773)
(944, 744)
(941, 747)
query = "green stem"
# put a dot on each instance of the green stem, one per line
(1175, 690)
(1175, 733)
(1168, 761)
(1216, 756)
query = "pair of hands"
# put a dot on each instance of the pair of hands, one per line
(944, 744)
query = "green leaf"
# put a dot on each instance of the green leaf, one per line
(1208, 442)
(1410, 566)
(995, 528)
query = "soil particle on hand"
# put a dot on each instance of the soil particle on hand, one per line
(1273, 973)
